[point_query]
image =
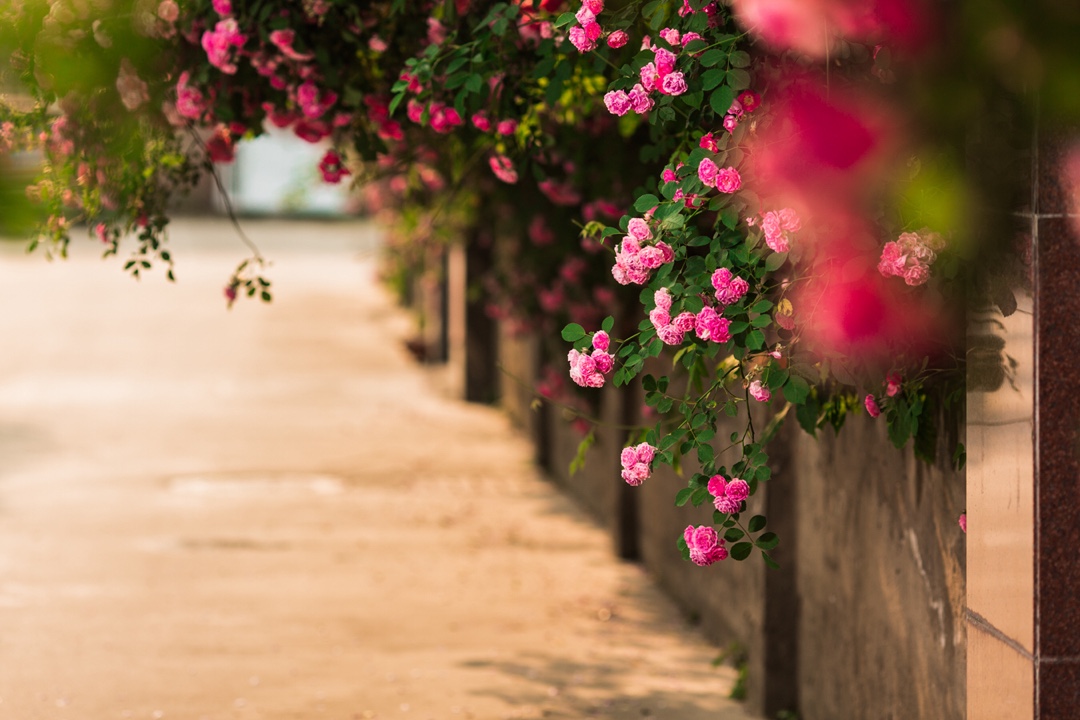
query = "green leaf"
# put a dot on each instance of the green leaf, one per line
(721, 100)
(739, 59)
(741, 551)
(763, 305)
(583, 448)
(774, 261)
(683, 496)
(796, 390)
(757, 523)
(734, 535)
(705, 454)
(646, 202)
(768, 541)
(713, 57)
(764, 556)
(711, 79)
(761, 321)
(573, 332)
(609, 322)
(738, 79)
(755, 340)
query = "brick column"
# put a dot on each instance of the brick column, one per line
(1024, 474)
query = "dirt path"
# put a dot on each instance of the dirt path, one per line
(268, 513)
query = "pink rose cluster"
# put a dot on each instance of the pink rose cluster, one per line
(219, 43)
(587, 33)
(729, 287)
(726, 180)
(911, 256)
(637, 463)
(589, 369)
(747, 102)
(634, 261)
(705, 546)
(776, 225)
(708, 324)
(659, 76)
(728, 494)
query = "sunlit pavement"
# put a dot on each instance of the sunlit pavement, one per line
(268, 512)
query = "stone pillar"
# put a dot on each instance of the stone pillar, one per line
(1023, 477)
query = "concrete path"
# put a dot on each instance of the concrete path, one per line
(268, 513)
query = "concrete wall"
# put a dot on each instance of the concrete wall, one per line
(865, 618)
(880, 576)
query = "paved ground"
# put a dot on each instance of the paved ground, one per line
(268, 513)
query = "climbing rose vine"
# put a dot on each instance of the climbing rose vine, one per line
(717, 202)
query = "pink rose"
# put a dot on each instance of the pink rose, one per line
(705, 546)
(503, 168)
(481, 122)
(707, 172)
(601, 340)
(673, 84)
(728, 180)
(640, 101)
(759, 392)
(617, 39)
(872, 408)
(916, 275)
(639, 230)
(617, 102)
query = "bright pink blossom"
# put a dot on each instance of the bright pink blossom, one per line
(189, 101)
(759, 392)
(727, 496)
(673, 84)
(728, 180)
(314, 102)
(872, 408)
(333, 167)
(671, 35)
(506, 127)
(640, 101)
(708, 142)
(729, 288)
(222, 7)
(220, 42)
(601, 340)
(580, 39)
(710, 325)
(617, 102)
(481, 121)
(892, 384)
(705, 546)
(617, 39)
(707, 172)
(639, 229)
(503, 168)
(594, 6)
(637, 463)
(962, 520)
(283, 40)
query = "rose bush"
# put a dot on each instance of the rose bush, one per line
(742, 183)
